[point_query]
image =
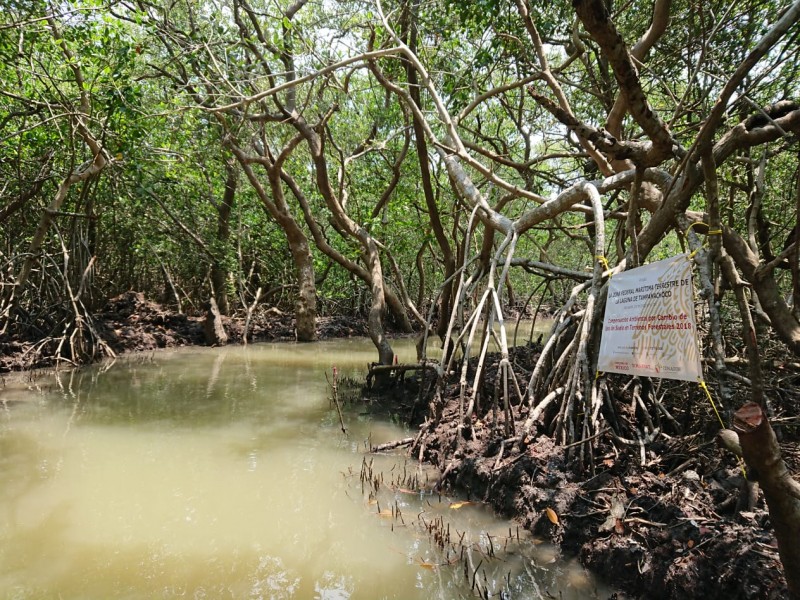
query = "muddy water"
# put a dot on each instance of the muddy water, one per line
(224, 474)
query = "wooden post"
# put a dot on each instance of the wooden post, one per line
(763, 457)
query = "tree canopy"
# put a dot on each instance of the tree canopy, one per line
(387, 152)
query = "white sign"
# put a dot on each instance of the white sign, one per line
(649, 326)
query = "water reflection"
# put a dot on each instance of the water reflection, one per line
(223, 474)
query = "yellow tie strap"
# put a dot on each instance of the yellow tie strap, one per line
(713, 405)
(709, 232)
(605, 264)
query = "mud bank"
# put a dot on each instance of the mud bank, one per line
(131, 323)
(659, 522)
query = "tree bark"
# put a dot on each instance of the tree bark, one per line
(305, 306)
(219, 273)
(393, 303)
(378, 305)
(212, 326)
(765, 286)
(782, 493)
(597, 22)
(446, 298)
(349, 227)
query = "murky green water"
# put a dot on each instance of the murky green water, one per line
(223, 473)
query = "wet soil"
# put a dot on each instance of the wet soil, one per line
(132, 323)
(656, 524)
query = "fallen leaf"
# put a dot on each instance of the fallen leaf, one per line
(551, 514)
(614, 521)
(690, 544)
(618, 506)
(457, 505)
(619, 526)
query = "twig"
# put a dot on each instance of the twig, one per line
(392, 445)
(250, 310)
(588, 439)
(335, 396)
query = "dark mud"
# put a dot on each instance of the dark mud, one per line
(132, 323)
(663, 528)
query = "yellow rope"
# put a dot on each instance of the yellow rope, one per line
(713, 405)
(604, 262)
(689, 228)
(709, 232)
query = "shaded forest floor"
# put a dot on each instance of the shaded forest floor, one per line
(660, 525)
